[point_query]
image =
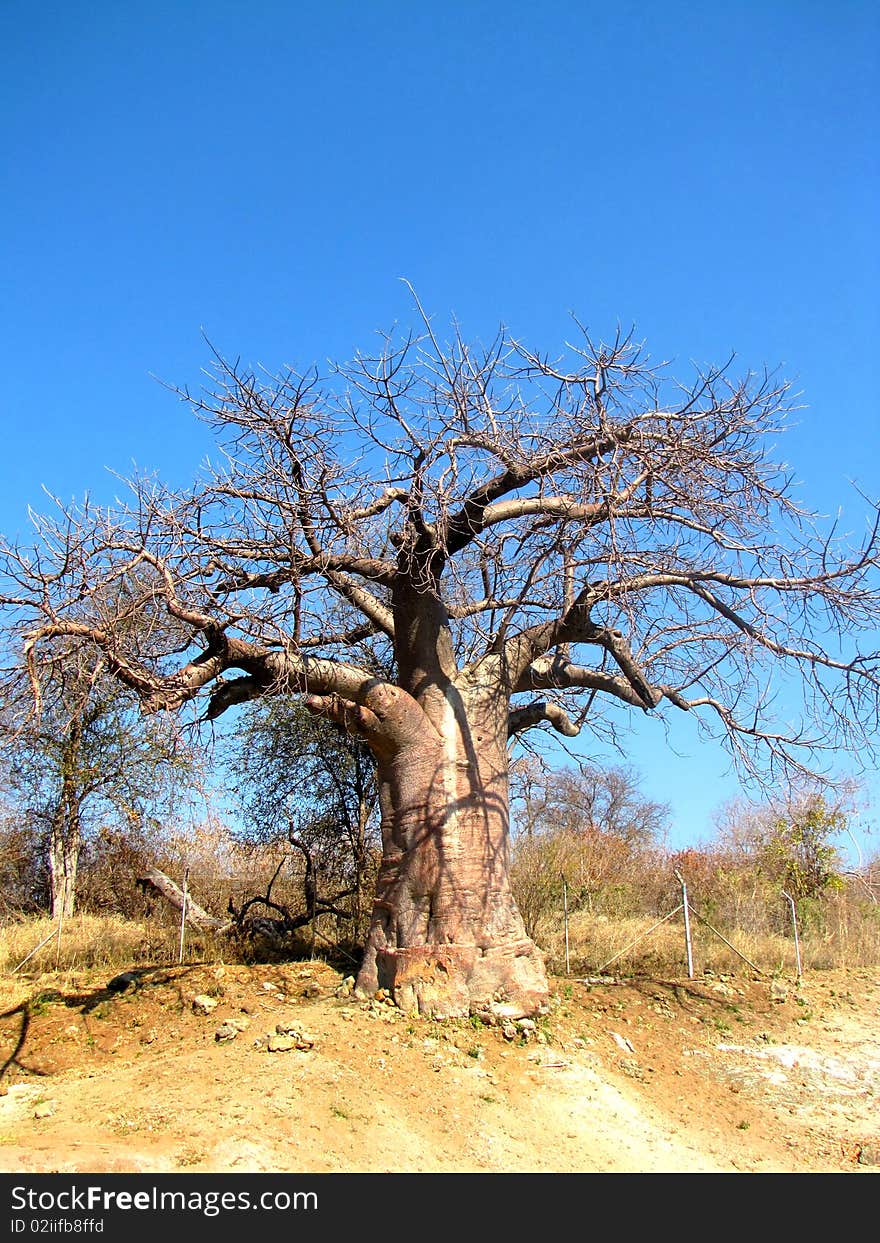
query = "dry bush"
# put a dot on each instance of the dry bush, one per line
(222, 869)
(24, 880)
(843, 933)
(603, 874)
(617, 891)
(638, 946)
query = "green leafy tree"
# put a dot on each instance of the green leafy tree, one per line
(800, 846)
(791, 841)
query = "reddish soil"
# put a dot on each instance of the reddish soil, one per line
(729, 1073)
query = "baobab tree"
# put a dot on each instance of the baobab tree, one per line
(441, 547)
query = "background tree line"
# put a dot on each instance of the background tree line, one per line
(95, 793)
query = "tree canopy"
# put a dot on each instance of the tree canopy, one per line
(594, 509)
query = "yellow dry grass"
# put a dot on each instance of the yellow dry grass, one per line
(845, 939)
(87, 941)
(597, 943)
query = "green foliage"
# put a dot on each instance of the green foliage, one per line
(798, 849)
(735, 884)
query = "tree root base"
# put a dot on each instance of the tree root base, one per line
(454, 981)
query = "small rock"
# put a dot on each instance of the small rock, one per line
(380, 994)
(311, 991)
(504, 1012)
(778, 991)
(529, 1026)
(203, 1004)
(508, 1031)
(280, 1044)
(622, 1042)
(240, 1023)
(44, 1111)
(722, 989)
(225, 1033)
(869, 1154)
(299, 1038)
(270, 987)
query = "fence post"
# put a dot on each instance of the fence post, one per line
(687, 924)
(565, 919)
(183, 915)
(794, 924)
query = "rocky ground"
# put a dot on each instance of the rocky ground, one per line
(274, 1068)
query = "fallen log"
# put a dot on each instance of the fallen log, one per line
(157, 883)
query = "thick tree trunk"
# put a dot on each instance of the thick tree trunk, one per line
(446, 938)
(64, 848)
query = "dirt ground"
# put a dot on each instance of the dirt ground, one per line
(719, 1073)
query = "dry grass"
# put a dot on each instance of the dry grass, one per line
(847, 936)
(92, 941)
(843, 939)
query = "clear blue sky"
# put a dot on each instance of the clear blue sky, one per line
(267, 171)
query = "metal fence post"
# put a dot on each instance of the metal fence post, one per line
(687, 924)
(183, 915)
(794, 924)
(565, 919)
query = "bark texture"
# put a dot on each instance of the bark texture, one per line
(446, 938)
(64, 848)
(65, 830)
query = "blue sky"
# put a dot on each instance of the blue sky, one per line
(266, 172)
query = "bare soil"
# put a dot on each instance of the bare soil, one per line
(720, 1073)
